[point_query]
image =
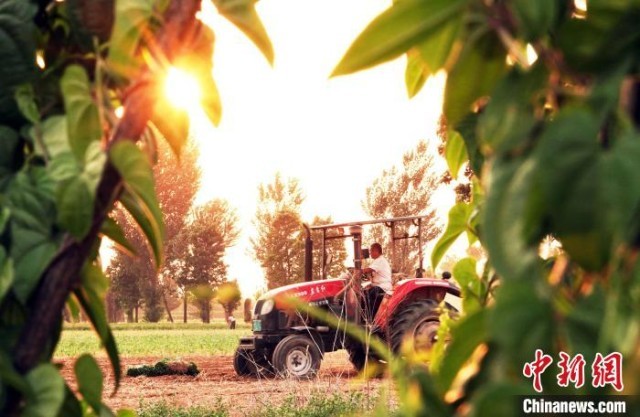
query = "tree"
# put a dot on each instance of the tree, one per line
(279, 246)
(198, 253)
(176, 181)
(542, 101)
(405, 192)
(66, 159)
(335, 249)
(229, 297)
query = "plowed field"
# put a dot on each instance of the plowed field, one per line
(217, 383)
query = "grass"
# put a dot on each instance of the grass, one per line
(318, 405)
(165, 410)
(150, 341)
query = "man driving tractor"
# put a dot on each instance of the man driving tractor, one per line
(381, 280)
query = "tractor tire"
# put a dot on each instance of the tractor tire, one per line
(297, 356)
(360, 360)
(247, 363)
(243, 363)
(417, 323)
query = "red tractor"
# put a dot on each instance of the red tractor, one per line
(291, 342)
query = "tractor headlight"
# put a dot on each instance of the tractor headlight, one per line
(267, 306)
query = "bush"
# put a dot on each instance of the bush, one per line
(164, 367)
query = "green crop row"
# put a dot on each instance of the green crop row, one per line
(155, 342)
(214, 325)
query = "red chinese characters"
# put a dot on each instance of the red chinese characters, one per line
(605, 370)
(536, 368)
(571, 370)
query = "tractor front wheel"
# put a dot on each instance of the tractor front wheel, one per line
(249, 363)
(297, 356)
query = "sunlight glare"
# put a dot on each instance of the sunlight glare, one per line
(182, 89)
(532, 55)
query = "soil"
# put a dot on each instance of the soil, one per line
(217, 383)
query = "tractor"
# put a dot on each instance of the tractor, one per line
(291, 342)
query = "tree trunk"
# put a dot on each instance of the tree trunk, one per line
(130, 315)
(166, 306)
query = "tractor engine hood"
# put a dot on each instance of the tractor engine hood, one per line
(313, 293)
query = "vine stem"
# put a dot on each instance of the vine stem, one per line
(63, 274)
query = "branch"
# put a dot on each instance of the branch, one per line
(63, 274)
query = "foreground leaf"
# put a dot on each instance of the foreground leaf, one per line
(132, 20)
(91, 298)
(83, 121)
(140, 198)
(47, 392)
(405, 24)
(242, 13)
(89, 377)
(457, 224)
(480, 66)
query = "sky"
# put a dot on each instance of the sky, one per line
(334, 135)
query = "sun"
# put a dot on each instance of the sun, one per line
(182, 89)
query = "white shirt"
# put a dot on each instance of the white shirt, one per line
(381, 274)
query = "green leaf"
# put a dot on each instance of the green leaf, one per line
(535, 18)
(508, 119)
(210, 100)
(47, 392)
(30, 199)
(466, 336)
(83, 121)
(405, 24)
(26, 103)
(140, 198)
(591, 191)
(523, 319)
(455, 153)
(436, 49)
(90, 297)
(132, 20)
(126, 413)
(75, 207)
(9, 376)
(54, 137)
(17, 52)
(89, 377)
(458, 219)
(10, 160)
(415, 74)
(512, 217)
(479, 68)
(76, 190)
(467, 128)
(465, 275)
(174, 129)
(114, 232)
(6, 273)
(71, 406)
(242, 13)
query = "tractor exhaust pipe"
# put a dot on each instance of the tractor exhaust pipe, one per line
(308, 254)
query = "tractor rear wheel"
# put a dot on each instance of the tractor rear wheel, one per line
(416, 323)
(297, 356)
(360, 360)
